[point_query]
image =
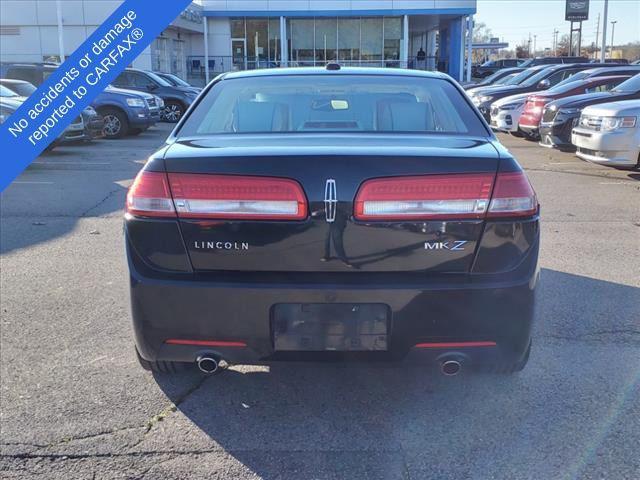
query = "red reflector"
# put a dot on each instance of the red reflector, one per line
(237, 197)
(455, 344)
(424, 197)
(149, 196)
(513, 196)
(204, 343)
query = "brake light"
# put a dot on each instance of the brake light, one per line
(149, 196)
(237, 197)
(426, 197)
(513, 196)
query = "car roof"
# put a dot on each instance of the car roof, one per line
(9, 102)
(380, 71)
(613, 67)
(13, 81)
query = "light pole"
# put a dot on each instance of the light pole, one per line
(60, 31)
(613, 30)
(555, 42)
(534, 45)
(603, 51)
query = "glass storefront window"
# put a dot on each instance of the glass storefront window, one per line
(302, 41)
(392, 40)
(257, 42)
(371, 41)
(326, 40)
(237, 28)
(274, 41)
(349, 39)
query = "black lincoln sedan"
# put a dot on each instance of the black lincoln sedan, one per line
(332, 214)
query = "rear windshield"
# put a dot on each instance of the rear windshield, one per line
(333, 103)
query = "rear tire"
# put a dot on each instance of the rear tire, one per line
(161, 366)
(507, 368)
(116, 124)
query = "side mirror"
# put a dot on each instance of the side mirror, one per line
(544, 84)
(152, 86)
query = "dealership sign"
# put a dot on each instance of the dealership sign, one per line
(577, 10)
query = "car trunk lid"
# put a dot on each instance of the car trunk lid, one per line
(329, 170)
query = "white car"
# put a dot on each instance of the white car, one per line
(609, 134)
(505, 113)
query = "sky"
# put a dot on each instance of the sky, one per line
(513, 20)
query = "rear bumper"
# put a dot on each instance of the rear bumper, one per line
(496, 309)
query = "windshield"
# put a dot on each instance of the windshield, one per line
(23, 89)
(573, 78)
(176, 80)
(504, 80)
(159, 79)
(527, 62)
(333, 103)
(630, 86)
(488, 63)
(521, 77)
(5, 92)
(494, 76)
(541, 75)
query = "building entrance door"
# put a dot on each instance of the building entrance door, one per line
(239, 53)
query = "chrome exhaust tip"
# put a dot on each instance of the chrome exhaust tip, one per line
(450, 368)
(208, 364)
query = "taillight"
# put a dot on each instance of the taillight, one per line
(513, 196)
(425, 197)
(150, 196)
(237, 197)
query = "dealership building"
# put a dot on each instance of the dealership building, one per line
(214, 36)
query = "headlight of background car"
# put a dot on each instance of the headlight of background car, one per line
(613, 123)
(135, 102)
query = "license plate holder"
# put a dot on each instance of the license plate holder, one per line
(330, 327)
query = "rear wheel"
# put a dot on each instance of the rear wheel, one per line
(160, 366)
(116, 124)
(507, 368)
(172, 111)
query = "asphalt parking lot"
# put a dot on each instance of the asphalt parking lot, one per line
(75, 403)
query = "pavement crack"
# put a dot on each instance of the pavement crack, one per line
(100, 202)
(167, 411)
(630, 335)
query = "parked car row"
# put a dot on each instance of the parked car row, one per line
(584, 107)
(136, 101)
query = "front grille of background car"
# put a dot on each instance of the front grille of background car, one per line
(590, 122)
(548, 115)
(587, 151)
(151, 102)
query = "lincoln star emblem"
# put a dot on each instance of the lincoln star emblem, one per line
(330, 200)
